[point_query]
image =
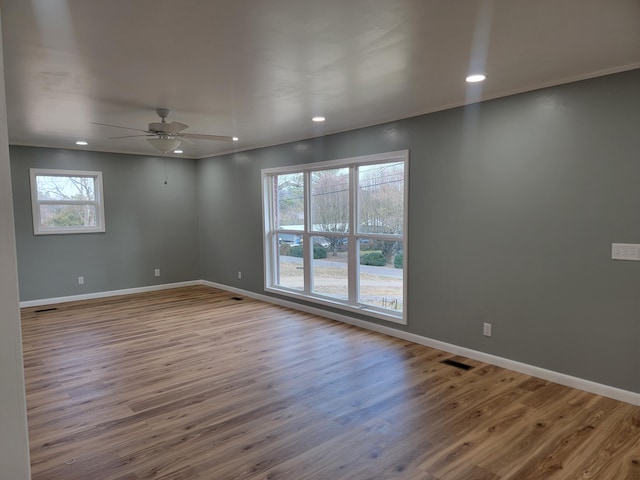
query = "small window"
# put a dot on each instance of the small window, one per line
(65, 201)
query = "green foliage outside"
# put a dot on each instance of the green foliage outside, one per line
(318, 251)
(296, 251)
(398, 260)
(376, 259)
(69, 217)
(285, 249)
(366, 246)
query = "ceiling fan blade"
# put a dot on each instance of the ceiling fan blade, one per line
(118, 126)
(131, 136)
(200, 136)
(175, 127)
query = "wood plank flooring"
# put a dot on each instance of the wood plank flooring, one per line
(192, 384)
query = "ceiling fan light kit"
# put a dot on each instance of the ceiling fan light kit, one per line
(164, 144)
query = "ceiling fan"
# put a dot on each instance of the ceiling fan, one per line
(166, 137)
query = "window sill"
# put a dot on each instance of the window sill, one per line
(66, 231)
(361, 309)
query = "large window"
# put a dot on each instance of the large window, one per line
(65, 201)
(335, 233)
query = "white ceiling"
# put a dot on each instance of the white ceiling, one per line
(260, 69)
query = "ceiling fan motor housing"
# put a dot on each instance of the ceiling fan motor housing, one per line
(158, 127)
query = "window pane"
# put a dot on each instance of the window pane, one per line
(330, 200)
(330, 268)
(289, 201)
(381, 274)
(57, 216)
(381, 198)
(290, 270)
(65, 188)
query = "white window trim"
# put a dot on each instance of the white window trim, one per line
(36, 203)
(269, 247)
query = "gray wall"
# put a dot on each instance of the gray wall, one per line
(150, 225)
(513, 206)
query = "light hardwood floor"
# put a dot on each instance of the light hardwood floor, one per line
(192, 384)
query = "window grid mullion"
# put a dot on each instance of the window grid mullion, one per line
(354, 263)
(273, 234)
(307, 257)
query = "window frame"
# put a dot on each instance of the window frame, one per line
(36, 203)
(271, 233)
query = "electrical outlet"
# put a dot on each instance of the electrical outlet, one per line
(80, 280)
(157, 272)
(625, 251)
(239, 275)
(486, 329)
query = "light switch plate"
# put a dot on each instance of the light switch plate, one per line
(486, 329)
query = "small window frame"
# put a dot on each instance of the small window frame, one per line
(97, 202)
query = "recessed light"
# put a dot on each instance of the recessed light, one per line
(478, 77)
(235, 139)
(81, 142)
(318, 119)
(178, 151)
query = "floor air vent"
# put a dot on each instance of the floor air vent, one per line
(237, 298)
(460, 365)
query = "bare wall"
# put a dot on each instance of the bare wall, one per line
(513, 206)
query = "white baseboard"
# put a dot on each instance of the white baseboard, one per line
(550, 375)
(109, 293)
